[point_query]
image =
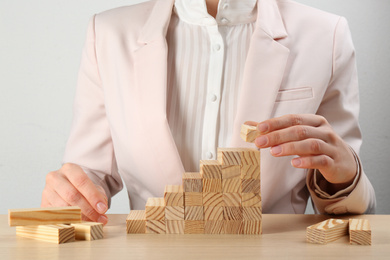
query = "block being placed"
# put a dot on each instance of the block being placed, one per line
(359, 232)
(249, 133)
(155, 209)
(174, 195)
(88, 230)
(327, 231)
(43, 216)
(192, 182)
(136, 222)
(57, 233)
(210, 169)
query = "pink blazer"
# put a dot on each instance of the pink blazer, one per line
(301, 60)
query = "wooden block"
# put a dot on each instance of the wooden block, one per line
(359, 232)
(231, 185)
(173, 195)
(174, 227)
(238, 156)
(252, 227)
(155, 209)
(249, 133)
(193, 198)
(57, 233)
(212, 185)
(233, 227)
(250, 186)
(327, 231)
(43, 216)
(136, 222)
(193, 213)
(88, 230)
(194, 227)
(174, 212)
(212, 199)
(252, 213)
(250, 172)
(210, 169)
(213, 213)
(155, 227)
(232, 213)
(192, 182)
(232, 199)
(231, 172)
(213, 227)
(251, 200)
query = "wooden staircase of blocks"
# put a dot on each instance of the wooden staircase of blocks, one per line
(223, 198)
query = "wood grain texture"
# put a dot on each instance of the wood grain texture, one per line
(251, 200)
(232, 199)
(43, 216)
(210, 169)
(327, 231)
(252, 213)
(57, 233)
(174, 195)
(252, 227)
(155, 209)
(194, 227)
(136, 222)
(174, 227)
(213, 199)
(192, 182)
(238, 156)
(212, 185)
(233, 227)
(174, 212)
(88, 230)
(250, 172)
(231, 172)
(359, 232)
(214, 227)
(250, 186)
(193, 198)
(232, 213)
(213, 213)
(155, 227)
(193, 213)
(231, 185)
(249, 133)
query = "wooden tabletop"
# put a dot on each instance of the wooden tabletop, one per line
(283, 237)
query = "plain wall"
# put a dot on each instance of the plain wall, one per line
(40, 50)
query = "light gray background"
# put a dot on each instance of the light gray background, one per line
(40, 50)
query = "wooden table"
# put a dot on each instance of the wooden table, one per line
(283, 237)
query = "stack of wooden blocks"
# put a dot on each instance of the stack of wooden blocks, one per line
(57, 225)
(223, 198)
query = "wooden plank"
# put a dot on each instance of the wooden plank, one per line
(327, 231)
(231, 172)
(231, 185)
(213, 199)
(238, 156)
(252, 227)
(174, 227)
(232, 213)
(155, 209)
(174, 212)
(249, 133)
(212, 185)
(88, 230)
(192, 182)
(174, 195)
(193, 198)
(210, 169)
(359, 232)
(193, 213)
(57, 233)
(251, 200)
(250, 172)
(43, 216)
(213, 213)
(214, 227)
(136, 222)
(232, 199)
(194, 226)
(250, 186)
(155, 227)
(233, 227)
(252, 213)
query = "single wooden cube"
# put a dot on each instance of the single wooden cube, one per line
(213, 213)
(210, 169)
(136, 222)
(252, 227)
(231, 172)
(251, 213)
(249, 133)
(194, 227)
(232, 199)
(173, 195)
(193, 213)
(231, 185)
(88, 230)
(155, 226)
(192, 182)
(155, 209)
(251, 200)
(174, 212)
(56, 233)
(232, 213)
(238, 156)
(327, 231)
(212, 185)
(250, 172)
(213, 199)
(214, 227)
(174, 226)
(250, 186)
(359, 232)
(233, 227)
(193, 198)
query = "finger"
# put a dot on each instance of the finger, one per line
(320, 162)
(290, 120)
(50, 198)
(303, 148)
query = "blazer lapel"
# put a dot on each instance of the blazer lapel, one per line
(264, 69)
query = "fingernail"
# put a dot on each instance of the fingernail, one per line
(276, 150)
(102, 219)
(262, 128)
(101, 207)
(261, 141)
(296, 162)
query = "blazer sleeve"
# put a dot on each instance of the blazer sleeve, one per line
(340, 106)
(89, 144)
